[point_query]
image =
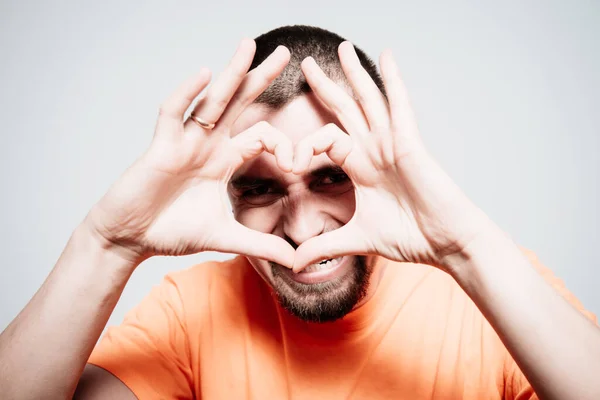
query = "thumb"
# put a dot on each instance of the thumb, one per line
(239, 239)
(347, 240)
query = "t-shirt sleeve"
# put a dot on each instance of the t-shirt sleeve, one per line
(516, 385)
(149, 352)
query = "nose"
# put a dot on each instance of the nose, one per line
(302, 220)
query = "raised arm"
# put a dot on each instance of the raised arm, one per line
(409, 209)
(171, 201)
(44, 349)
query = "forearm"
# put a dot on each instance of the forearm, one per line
(555, 346)
(45, 348)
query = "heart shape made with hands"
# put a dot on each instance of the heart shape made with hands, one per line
(407, 208)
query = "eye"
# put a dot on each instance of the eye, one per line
(332, 183)
(261, 195)
(333, 179)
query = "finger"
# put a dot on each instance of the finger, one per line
(329, 139)
(402, 115)
(172, 110)
(369, 96)
(255, 82)
(264, 137)
(239, 239)
(220, 93)
(333, 96)
(347, 240)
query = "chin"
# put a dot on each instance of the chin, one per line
(323, 292)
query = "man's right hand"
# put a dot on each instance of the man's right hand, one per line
(173, 200)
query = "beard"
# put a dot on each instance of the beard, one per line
(324, 301)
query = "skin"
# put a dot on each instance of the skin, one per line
(295, 206)
(397, 186)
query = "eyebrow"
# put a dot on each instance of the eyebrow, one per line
(248, 181)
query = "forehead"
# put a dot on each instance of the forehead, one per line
(298, 119)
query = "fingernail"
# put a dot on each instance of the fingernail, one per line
(204, 71)
(286, 166)
(389, 53)
(245, 42)
(282, 50)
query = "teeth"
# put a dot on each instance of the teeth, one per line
(321, 265)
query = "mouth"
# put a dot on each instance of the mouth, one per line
(321, 271)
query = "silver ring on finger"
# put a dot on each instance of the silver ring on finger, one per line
(202, 123)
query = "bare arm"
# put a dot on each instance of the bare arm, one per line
(44, 349)
(411, 210)
(98, 384)
(161, 205)
(556, 347)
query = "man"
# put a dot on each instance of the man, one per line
(367, 272)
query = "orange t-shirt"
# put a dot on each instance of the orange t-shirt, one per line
(215, 331)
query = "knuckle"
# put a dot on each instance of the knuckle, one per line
(257, 77)
(379, 127)
(238, 101)
(352, 72)
(342, 108)
(361, 97)
(220, 102)
(164, 110)
(238, 72)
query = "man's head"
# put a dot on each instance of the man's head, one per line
(299, 207)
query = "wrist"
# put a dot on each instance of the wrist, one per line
(102, 252)
(469, 265)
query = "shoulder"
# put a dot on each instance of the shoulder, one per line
(214, 289)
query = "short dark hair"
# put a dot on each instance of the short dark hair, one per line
(303, 41)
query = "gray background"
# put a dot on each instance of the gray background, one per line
(505, 92)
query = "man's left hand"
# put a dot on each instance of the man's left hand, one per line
(407, 208)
